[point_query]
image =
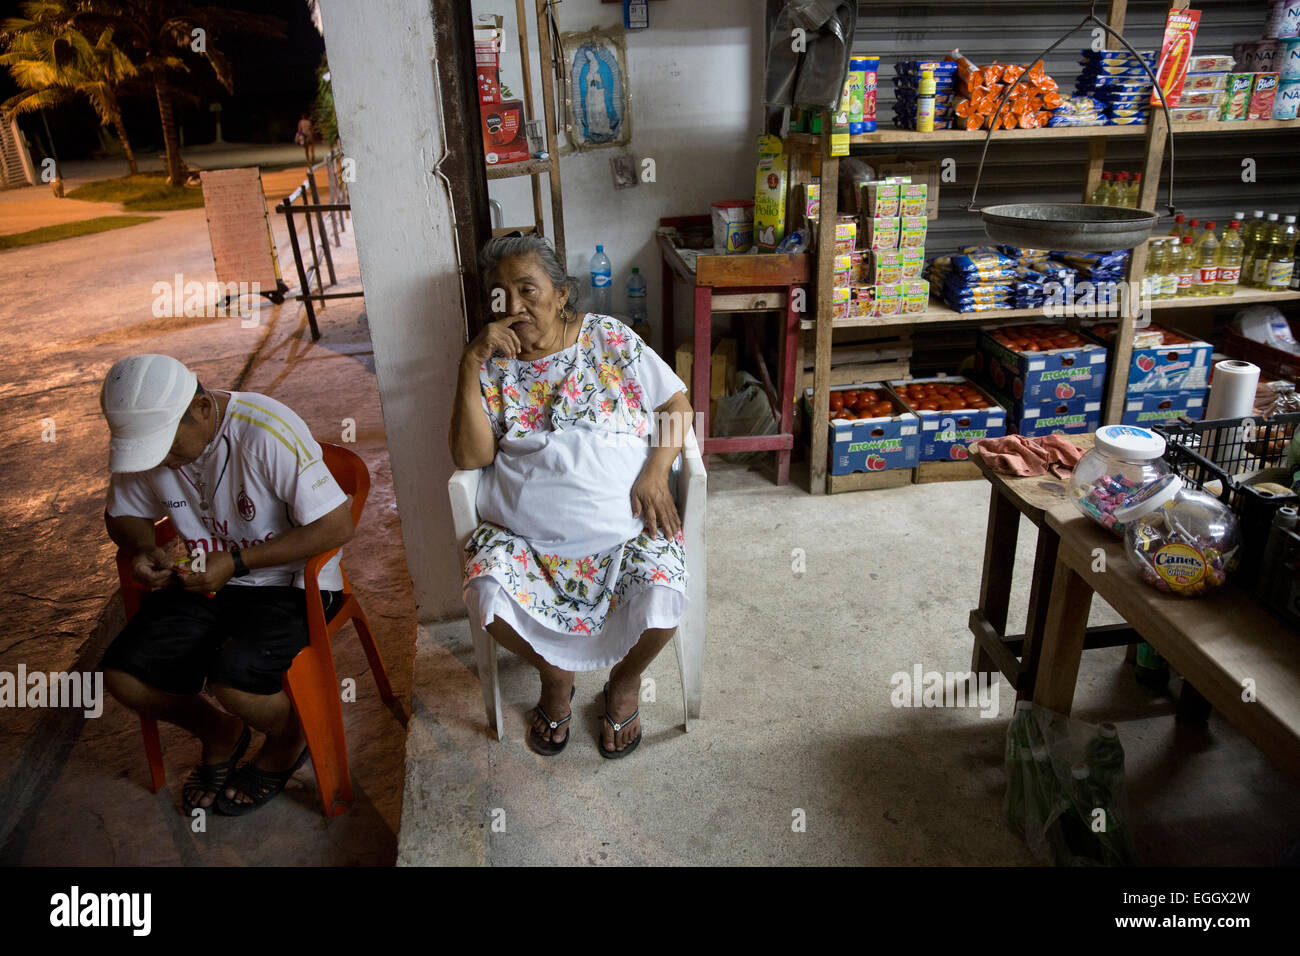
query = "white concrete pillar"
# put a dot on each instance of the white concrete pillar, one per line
(381, 60)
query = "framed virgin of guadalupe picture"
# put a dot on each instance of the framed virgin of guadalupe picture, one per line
(597, 89)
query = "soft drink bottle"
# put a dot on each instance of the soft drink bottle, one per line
(1152, 670)
(1229, 260)
(601, 282)
(1098, 197)
(1076, 820)
(1281, 257)
(1017, 754)
(1186, 267)
(1206, 250)
(1179, 228)
(1263, 246)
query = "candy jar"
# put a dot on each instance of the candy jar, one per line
(1124, 459)
(1182, 541)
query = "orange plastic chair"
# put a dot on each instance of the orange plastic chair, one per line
(311, 682)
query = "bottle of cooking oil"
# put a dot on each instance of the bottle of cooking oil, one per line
(1250, 234)
(1229, 263)
(1134, 191)
(1173, 265)
(1151, 277)
(1179, 228)
(1115, 195)
(1186, 267)
(1281, 257)
(1098, 197)
(1239, 218)
(1206, 250)
(1260, 253)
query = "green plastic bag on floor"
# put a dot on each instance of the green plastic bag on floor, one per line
(1065, 789)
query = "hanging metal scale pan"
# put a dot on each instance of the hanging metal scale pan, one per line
(1071, 227)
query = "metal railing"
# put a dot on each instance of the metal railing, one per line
(311, 208)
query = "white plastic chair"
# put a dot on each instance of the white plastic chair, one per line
(690, 486)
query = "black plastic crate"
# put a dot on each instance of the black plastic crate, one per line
(1279, 586)
(1224, 451)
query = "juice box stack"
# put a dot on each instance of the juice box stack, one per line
(1168, 374)
(1048, 378)
(880, 251)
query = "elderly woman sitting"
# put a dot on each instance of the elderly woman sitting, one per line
(579, 562)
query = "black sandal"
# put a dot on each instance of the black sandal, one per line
(257, 783)
(211, 777)
(618, 754)
(546, 746)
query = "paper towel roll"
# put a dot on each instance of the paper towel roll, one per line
(1232, 394)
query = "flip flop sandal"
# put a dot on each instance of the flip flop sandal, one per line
(211, 777)
(544, 746)
(259, 784)
(618, 754)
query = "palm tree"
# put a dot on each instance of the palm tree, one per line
(157, 32)
(54, 63)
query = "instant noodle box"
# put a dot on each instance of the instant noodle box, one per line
(1077, 416)
(1177, 363)
(1154, 408)
(913, 262)
(953, 413)
(1041, 363)
(870, 430)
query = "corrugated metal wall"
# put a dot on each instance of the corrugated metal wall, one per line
(1208, 173)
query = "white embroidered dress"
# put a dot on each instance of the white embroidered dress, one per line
(559, 555)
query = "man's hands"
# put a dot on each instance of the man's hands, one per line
(494, 337)
(652, 502)
(152, 566)
(218, 569)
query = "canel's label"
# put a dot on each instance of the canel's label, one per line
(1180, 565)
(1279, 274)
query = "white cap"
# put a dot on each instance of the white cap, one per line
(143, 398)
(1128, 441)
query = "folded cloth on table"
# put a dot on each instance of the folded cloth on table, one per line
(1025, 457)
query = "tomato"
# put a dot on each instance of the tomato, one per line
(837, 401)
(870, 396)
(850, 397)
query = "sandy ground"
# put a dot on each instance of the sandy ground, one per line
(74, 791)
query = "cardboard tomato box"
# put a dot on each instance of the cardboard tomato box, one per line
(1182, 365)
(871, 444)
(1077, 416)
(945, 434)
(1040, 376)
(1154, 408)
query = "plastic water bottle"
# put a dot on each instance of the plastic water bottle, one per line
(636, 305)
(601, 282)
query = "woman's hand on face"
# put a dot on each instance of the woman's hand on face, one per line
(652, 502)
(496, 336)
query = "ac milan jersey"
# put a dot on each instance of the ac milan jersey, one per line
(263, 474)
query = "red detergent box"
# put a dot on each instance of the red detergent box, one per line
(1263, 95)
(874, 443)
(953, 412)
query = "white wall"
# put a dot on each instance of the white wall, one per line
(695, 80)
(381, 54)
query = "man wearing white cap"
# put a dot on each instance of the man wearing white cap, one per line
(245, 486)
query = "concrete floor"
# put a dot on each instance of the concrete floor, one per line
(797, 716)
(74, 791)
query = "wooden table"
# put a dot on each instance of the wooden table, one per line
(1017, 656)
(1220, 641)
(752, 283)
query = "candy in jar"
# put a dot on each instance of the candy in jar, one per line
(1124, 460)
(1182, 541)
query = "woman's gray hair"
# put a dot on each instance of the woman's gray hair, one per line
(495, 251)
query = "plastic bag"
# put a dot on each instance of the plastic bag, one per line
(1065, 789)
(746, 413)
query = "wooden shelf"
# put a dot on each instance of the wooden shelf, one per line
(937, 312)
(530, 167)
(884, 137)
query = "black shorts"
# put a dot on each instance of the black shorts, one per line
(241, 637)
